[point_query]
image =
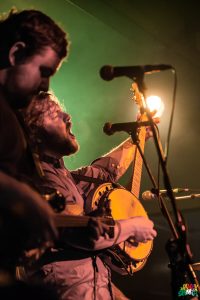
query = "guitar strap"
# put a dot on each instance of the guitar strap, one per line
(79, 177)
(88, 200)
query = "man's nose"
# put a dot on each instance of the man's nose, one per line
(44, 86)
(67, 119)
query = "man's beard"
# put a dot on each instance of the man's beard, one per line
(17, 101)
(62, 148)
(71, 148)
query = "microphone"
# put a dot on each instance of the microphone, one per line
(148, 195)
(108, 72)
(128, 127)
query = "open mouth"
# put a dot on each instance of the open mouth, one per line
(71, 134)
(69, 126)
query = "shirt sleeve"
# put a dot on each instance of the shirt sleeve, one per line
(108, 168)
(118, 159)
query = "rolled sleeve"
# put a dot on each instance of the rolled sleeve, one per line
(108, 168)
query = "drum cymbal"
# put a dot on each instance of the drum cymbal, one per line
(196, 266)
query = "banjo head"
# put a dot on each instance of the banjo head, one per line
(125, 205)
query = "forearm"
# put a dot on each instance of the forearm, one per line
(81, 238)
(138, 228)
(123, 154)
(123, 230)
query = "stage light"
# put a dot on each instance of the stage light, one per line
(155, 103)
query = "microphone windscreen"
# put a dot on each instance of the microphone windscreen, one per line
(147, 195)
(107, 128)
(107, 73)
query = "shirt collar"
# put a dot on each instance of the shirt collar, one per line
(56, 162)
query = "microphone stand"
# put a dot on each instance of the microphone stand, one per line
(192, 196)
(177, 248)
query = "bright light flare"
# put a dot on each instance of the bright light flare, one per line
(155, 103)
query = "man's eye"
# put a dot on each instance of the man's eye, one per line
(46, 72)
(64, 116)
(60, 114)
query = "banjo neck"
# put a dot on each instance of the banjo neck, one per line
(68, 221)
(141, 134)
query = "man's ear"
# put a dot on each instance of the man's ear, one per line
(16, 53)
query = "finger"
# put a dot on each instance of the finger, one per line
(156, 120)
(103, 228)
(97, 228)
(153, 112)
(93, 229)
(99, 225)
(106, 229)
(154, 233)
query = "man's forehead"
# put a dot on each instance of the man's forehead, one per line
(47, 57)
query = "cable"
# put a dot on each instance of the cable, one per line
(166, 150)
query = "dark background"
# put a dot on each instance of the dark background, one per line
(125, 32)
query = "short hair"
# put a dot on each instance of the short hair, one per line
(43, 105)
(35, 29)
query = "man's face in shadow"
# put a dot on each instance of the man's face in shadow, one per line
(27, 78)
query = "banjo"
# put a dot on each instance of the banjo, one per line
(127, 257)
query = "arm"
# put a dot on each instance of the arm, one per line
(122, 156)
(96, 238)
(109, 168)
(138, 228)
